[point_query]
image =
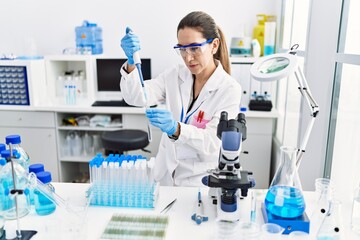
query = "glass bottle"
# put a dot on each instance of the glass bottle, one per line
(331, 227)
(324, 192)
(355, 216)
(7, 183)
(88, 144)
(283, 198)
(24, 159)
(43, 205)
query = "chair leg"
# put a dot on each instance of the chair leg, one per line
(108, 152)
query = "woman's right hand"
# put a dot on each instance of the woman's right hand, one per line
(130, 43)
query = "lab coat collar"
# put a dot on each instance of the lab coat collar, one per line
(186, 81)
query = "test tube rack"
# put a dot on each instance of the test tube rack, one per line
(122, 181)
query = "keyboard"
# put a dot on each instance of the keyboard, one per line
(112, 103)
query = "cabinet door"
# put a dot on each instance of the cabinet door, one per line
(39, 143)
(258, 159)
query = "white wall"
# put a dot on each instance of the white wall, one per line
(51, 24)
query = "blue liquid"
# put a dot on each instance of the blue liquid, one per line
(285, 201)
(268, 50)
(43, 205)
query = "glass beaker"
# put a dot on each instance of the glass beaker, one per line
(249, 231)
(226, 230)
(324, 192)
(283, 198)
(271, 231)
(331, 227)
(299, 235)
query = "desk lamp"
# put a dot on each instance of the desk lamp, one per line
(272, 68)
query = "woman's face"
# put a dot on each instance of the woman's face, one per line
(198, 59)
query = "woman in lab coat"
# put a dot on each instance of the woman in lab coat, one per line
(195, 95)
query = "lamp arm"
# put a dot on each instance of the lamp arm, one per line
(314, 110)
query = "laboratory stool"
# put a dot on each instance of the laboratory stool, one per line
(124, 140)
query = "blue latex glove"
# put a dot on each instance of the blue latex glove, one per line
(130, 43)
(162, 119)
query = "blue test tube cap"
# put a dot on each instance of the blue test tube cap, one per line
(99, 161)
(2, 161)
(109, 158)
(122, 157)
(37, 167)
(13, 139)
(44, 177)
(134, 158)
(128, 157)
(2, 147)
(6, 153)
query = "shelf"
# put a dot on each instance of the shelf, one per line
(97, 129)
(243, 60)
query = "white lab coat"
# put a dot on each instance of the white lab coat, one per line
(185, 161)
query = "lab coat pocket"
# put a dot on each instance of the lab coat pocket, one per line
(185, 152)
(199, 122)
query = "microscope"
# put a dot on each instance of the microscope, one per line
(228, 178)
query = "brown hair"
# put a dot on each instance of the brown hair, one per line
(205, 24)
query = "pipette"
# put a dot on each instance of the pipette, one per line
(198, 216)
(137, 61)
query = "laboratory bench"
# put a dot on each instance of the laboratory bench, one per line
(180, 224)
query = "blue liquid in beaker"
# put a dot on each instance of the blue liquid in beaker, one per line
(285, 201)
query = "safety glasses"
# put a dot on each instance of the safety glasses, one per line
(193, 49)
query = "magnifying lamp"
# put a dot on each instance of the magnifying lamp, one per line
(281, 65)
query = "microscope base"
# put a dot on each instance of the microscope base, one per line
(301, 223)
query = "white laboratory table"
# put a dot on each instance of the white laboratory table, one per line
(180, 224)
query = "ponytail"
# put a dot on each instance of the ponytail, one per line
(222, 53)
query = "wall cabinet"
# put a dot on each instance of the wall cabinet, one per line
(69, 75)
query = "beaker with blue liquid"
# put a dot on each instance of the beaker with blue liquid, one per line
(284, 199)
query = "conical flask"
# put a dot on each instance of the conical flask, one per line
(331, 227)
(283, 198)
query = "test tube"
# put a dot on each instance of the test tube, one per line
(104, 189)
(253, 207)
(110, 191)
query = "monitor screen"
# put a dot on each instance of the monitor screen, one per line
(108, 73)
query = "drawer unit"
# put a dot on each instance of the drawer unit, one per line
(27, 119)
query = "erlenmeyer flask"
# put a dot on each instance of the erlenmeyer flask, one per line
(324, 192)
(283, 198)
(331, 227)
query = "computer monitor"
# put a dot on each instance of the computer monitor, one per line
(108, 76)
